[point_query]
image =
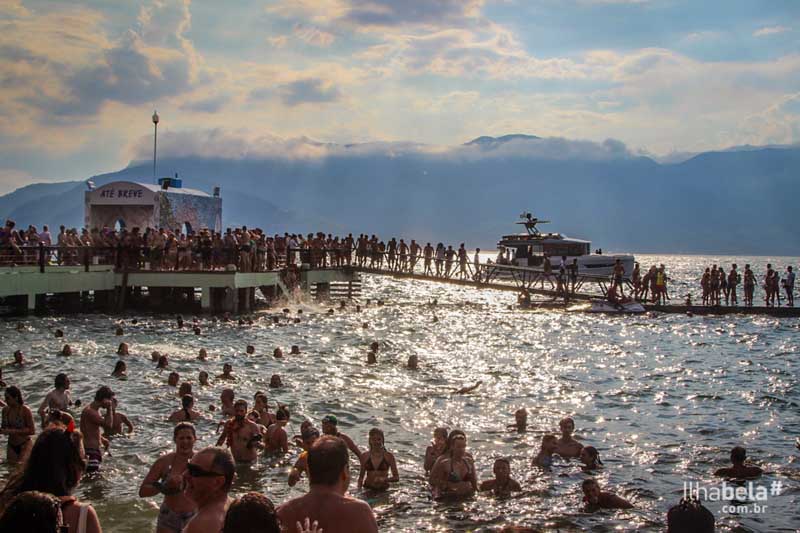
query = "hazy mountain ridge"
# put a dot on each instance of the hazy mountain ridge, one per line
(739, 202)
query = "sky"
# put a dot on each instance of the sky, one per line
(79, 81)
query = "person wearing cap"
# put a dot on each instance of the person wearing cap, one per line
(326, 502)
(91, 423)
(329, 427)
(309, 435)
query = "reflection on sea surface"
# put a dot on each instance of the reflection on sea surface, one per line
(663, 398)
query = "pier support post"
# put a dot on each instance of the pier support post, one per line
(323, 291)
(31, 303)
(205, 299)
(230, 303)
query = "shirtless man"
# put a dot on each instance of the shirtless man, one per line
(596, 498)
(739, 470)
(92, 422)
(567, 446)
(119, 420)
(277, 440)
(241, 435)
(226, 373)
(208, 479)
(58, 398)
(226, 398)
(326, 502)
(329, 427)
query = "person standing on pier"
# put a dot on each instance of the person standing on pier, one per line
(476, 265)
(439, 258)
(749, 286)
(414, 250)
(788, 285)
(462, 261)
(449, 255)
(733, 281)
(428, 256)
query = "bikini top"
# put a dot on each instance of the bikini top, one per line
(163, 479)
(454, 478)
(382, 467)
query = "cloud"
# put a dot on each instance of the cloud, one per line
(430, 13)
(313, 36)
(212, 104)
(148, 62)
(242, 144)
(310, 90)
(769, 30)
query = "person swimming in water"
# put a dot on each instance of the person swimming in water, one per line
(435, 449)
(119, 420)
(186, 413)
(166, 477)
(202, 379)
(202, 355)
(520, 424)
(377, 477)
(277, 353)
(544, 459)
(58, 399)
(173, 379)
(567, 446)
(226, 373)
(123, 349)
(261, 406)
(453, 474)
(330, 426)
(295, 350)
(413, 362)
(739, 470)
(163, 362)
(503, 484)
(275, 381)
(66, 350)
(184, 389)
(277, 439)
(250, 350)
(309, 435)
(595, 498)
(467, 390)
(241, 435)
(120, 370)
(226, 397)
(590, 458)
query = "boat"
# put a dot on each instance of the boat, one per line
(604, 306)
(529, 249)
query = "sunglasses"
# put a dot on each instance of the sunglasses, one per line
(196, 471)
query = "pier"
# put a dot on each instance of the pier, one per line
(102, 281)
(115, 279)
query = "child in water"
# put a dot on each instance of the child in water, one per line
(590, 458)
(544, 458)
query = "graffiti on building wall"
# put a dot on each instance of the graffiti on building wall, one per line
(198, 211)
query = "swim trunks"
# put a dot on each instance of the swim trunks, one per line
(94, 458)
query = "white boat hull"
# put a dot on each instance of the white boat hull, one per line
(592, 265)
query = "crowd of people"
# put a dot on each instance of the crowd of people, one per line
(196, 484)
(716, 285)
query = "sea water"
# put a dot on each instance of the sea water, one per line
(663, 398)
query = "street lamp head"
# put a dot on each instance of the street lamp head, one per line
(155, 117)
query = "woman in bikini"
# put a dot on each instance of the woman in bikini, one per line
(165, 477)
(376, 463)
(17, 423)
(56, 465)
(454, 472)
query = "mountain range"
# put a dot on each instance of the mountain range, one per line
(726, 202)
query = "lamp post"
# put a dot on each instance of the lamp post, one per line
(155, 142)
